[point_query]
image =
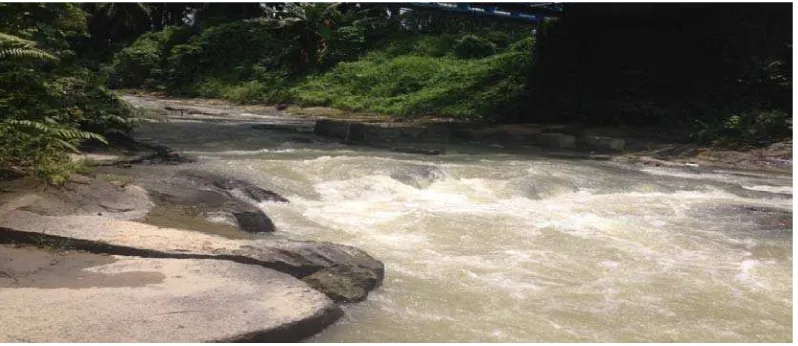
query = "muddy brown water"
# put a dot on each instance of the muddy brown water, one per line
(485, 246)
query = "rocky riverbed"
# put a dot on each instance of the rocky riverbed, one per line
(268, 225)
(145, 250)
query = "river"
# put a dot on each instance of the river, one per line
(482, 245)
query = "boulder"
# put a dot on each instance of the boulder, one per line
(252, 191)
(213, 205)
(353, 268)
(419, 176)
(214, 197)
(83, 297)
(341, 284)
(251, 220)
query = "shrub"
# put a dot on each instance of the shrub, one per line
(500, 39)
(524, 45)
(749, 128)
(419, 45)
(229, 51)
(471, 47)
(139, 65)
(347, 44)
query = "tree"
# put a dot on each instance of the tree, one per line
(113, 24)
(309, 24)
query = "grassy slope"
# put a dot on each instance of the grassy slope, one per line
(408, 76)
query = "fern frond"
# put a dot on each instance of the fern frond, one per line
(66, 145)
(59, 132)
(35, 125)
(22, 53)
(11, 39)
(15, 47)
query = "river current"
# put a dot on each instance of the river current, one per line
(487, 246)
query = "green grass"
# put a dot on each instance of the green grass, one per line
(404, 76)
(411, 85)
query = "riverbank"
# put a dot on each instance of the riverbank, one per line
(494, 224)
(431, 135)
(177, 253)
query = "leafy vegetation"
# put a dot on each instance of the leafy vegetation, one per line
(49, 101)
(315, 54)
(720, 71)
(472, 46)
(410, 85)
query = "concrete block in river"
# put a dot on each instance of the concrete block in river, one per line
(556, 140)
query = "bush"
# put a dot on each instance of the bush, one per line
(748, 128)
(141, 65)
(228, 51)
(472, 47)
(347, 44)
(500, 39)
(524, 45)
(419, 45)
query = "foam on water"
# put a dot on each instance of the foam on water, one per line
(512, 248)
(768, 188)
(572, 257)
(541, 250)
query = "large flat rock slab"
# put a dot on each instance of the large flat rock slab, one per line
(82, 297)
(349, 273)
(83, 195)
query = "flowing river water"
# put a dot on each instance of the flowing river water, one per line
(488, 246)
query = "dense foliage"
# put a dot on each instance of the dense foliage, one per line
(49, 101)
(471, 46)
(321, 54)
(721, 73)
